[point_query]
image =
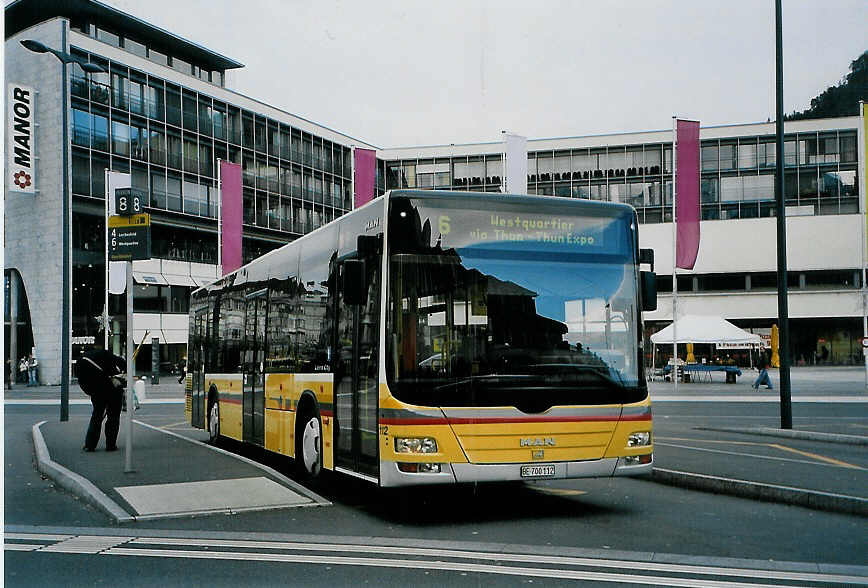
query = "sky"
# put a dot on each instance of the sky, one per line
(409, 72)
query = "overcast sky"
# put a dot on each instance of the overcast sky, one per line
(437, 72)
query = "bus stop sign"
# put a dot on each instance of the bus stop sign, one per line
(129, 237)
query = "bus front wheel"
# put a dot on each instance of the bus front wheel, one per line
(309, 450)
(214, 421)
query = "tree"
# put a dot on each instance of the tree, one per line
(842, 99)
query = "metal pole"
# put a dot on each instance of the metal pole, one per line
(105, 312)
(66, 281)
(219, 219)
(862, 207)
(674, 371)
(783, 319)
(131, 368)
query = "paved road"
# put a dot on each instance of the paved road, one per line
(621, 532)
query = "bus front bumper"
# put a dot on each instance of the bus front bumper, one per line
(462, 473)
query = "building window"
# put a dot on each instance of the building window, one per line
(135, 47)
(158, 57)
(80, 173)
(108, 37)
(120, 139)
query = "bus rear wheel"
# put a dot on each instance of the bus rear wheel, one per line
(308, 452)
(214, 421)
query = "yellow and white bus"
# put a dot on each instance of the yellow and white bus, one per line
(436, 337)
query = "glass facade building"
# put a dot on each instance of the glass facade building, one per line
(737, 174)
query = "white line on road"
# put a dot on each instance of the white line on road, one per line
(431, 559)
(451, 567)
(770, 457)
(753, 398)
(54, 402)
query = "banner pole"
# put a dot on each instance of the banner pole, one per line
(862, 138)
(219, 219)
(674, 268)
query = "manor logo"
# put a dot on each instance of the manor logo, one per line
(21, 153)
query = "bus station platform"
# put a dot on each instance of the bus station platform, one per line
(171, 475)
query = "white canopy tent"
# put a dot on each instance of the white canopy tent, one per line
(693, 328)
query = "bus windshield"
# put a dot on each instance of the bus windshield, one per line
(511, 306)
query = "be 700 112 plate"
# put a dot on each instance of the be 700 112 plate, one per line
(542, 470)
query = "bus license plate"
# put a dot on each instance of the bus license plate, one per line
(538, 471)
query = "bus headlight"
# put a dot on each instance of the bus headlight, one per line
(639, 439)
(415, 445)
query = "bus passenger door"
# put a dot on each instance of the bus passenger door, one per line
(253, 401)
(356, 376)
(196, 368)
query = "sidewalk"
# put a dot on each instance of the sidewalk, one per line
(173, 475)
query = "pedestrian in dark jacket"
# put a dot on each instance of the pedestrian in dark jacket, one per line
(100, 375)
(763, 367)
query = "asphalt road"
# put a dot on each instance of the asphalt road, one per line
(635, 530)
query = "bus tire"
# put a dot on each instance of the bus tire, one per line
(308, 436)
(214, 420)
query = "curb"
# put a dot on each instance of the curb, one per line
(791, 434)
(767, 492)
(73, 482)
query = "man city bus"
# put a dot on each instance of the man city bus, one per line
(436, 337)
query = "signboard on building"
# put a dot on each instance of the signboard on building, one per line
(21, 147)
(129, 237)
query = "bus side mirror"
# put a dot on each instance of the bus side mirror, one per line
(649, 290)
(354, 290)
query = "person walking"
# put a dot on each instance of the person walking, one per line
(32, 369)
(762, 365)
(182, 369)
(100, 375)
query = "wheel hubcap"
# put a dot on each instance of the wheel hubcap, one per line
(310, 446)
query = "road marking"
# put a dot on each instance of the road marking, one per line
(432, 559)
(173, 425)
(837, 462)
(709, 441)
(753, 443)
(753, 398)
(769, 457)
(75, 401)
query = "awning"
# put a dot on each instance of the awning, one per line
(165, 335)
(179, 280)
(202, 281)
(149, 278)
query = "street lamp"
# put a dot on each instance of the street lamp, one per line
(66, 327)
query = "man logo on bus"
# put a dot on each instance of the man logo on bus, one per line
(548, 441)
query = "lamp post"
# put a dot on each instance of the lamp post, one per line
(66, 311)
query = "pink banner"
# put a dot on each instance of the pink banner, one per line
(687, 193)
(366, 174)
(230, 215)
